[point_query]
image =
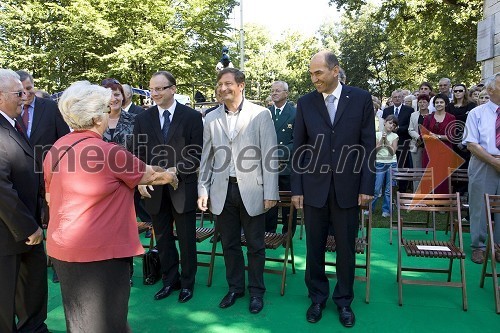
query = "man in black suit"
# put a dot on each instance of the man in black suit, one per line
(23, 271)
(41, 119)
(332, 175)
(129, 106)
(283, 113)
(171, 135)
(403, 113)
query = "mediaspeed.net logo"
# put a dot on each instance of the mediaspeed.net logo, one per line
(443, 161)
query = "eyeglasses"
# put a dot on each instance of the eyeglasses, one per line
(160, 88)
(18, 93)
(458, 91)
(109, 81)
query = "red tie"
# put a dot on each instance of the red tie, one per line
(497, 128)
(20, 131)
(26, 116)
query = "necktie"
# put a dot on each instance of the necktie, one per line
(330, 105)
(20, 131)
(396, 111)
(26, 116)
(166, 125)
(497, 128)
(277, 113)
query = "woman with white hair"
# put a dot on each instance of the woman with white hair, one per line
(92, 231)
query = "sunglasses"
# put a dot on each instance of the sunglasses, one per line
(109, 81)
(458, 91)
(18, 93)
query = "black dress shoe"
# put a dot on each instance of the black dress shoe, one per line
(185, 295)
(346, 316)
(256, 304)
(166, 291)
(315, 312)
(229, 299)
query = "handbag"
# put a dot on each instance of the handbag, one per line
(151, 267)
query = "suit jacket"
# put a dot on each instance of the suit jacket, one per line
(403, 121)
(257, 177)
(284, 135)
(135, 109)
(48, 126)
(414, 131)
(182, 150)
(123, 134)
(322, 150)
(19, 191)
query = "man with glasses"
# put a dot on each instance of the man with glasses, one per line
(23, 271)
(170, 134)
(283, 113)
(445, 87)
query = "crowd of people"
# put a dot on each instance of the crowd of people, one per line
(107, 162)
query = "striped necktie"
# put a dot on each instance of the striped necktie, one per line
(166, 125)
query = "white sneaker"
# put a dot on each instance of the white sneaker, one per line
(384, 214)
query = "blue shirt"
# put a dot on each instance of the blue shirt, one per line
(480, 127)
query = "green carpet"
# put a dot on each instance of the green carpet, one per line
(425, 308)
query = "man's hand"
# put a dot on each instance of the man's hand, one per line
(268, 204)
(143, 190)
(298, 201)
(36, 238)
(203, 203)
(364, 199)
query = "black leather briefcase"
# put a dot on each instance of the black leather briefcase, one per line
(151, 267)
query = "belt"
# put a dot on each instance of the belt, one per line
(233, 180)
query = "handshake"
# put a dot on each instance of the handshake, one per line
(159, 176)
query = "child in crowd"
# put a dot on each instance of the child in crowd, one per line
(387, 144)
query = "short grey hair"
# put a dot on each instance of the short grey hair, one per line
(490, 83)
(6, 75)
(127, 90)
(283, 83)
(82, 102)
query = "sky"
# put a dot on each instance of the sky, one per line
(278, 16)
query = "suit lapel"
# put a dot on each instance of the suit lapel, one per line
(176, 120)
(283, 117)
(155, 122)
(221, 119)
(243, 119)
(319, 101)
(37, 114)
(342, 105)
(16, 136)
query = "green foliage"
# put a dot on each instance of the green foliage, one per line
(405, 42)
(61, 41)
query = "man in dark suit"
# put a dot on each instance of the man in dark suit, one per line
(332, 175)
(41, 119)
(283, 113)
(403, 113)
(129, 106)
(23, 271)
(170, 135)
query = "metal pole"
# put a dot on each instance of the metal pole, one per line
(242, 40)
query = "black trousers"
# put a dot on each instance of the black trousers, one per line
(272, 214)
(23, 291)
(140, 210)
(232, 219)
(95, 295)
(344, 225)
(185, 226)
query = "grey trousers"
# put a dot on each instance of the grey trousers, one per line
(483, 178)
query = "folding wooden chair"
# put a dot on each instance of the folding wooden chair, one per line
(422, 248)
(363, 247)
(425, 177)
(273, 241)
(202, 233)
(492, 207)
(458, 176)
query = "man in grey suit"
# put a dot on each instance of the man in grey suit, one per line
(239, 175)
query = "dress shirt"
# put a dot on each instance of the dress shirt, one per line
(170, 109)
(337, 92)
(232, 121)
(9, 119)
(480, 127)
